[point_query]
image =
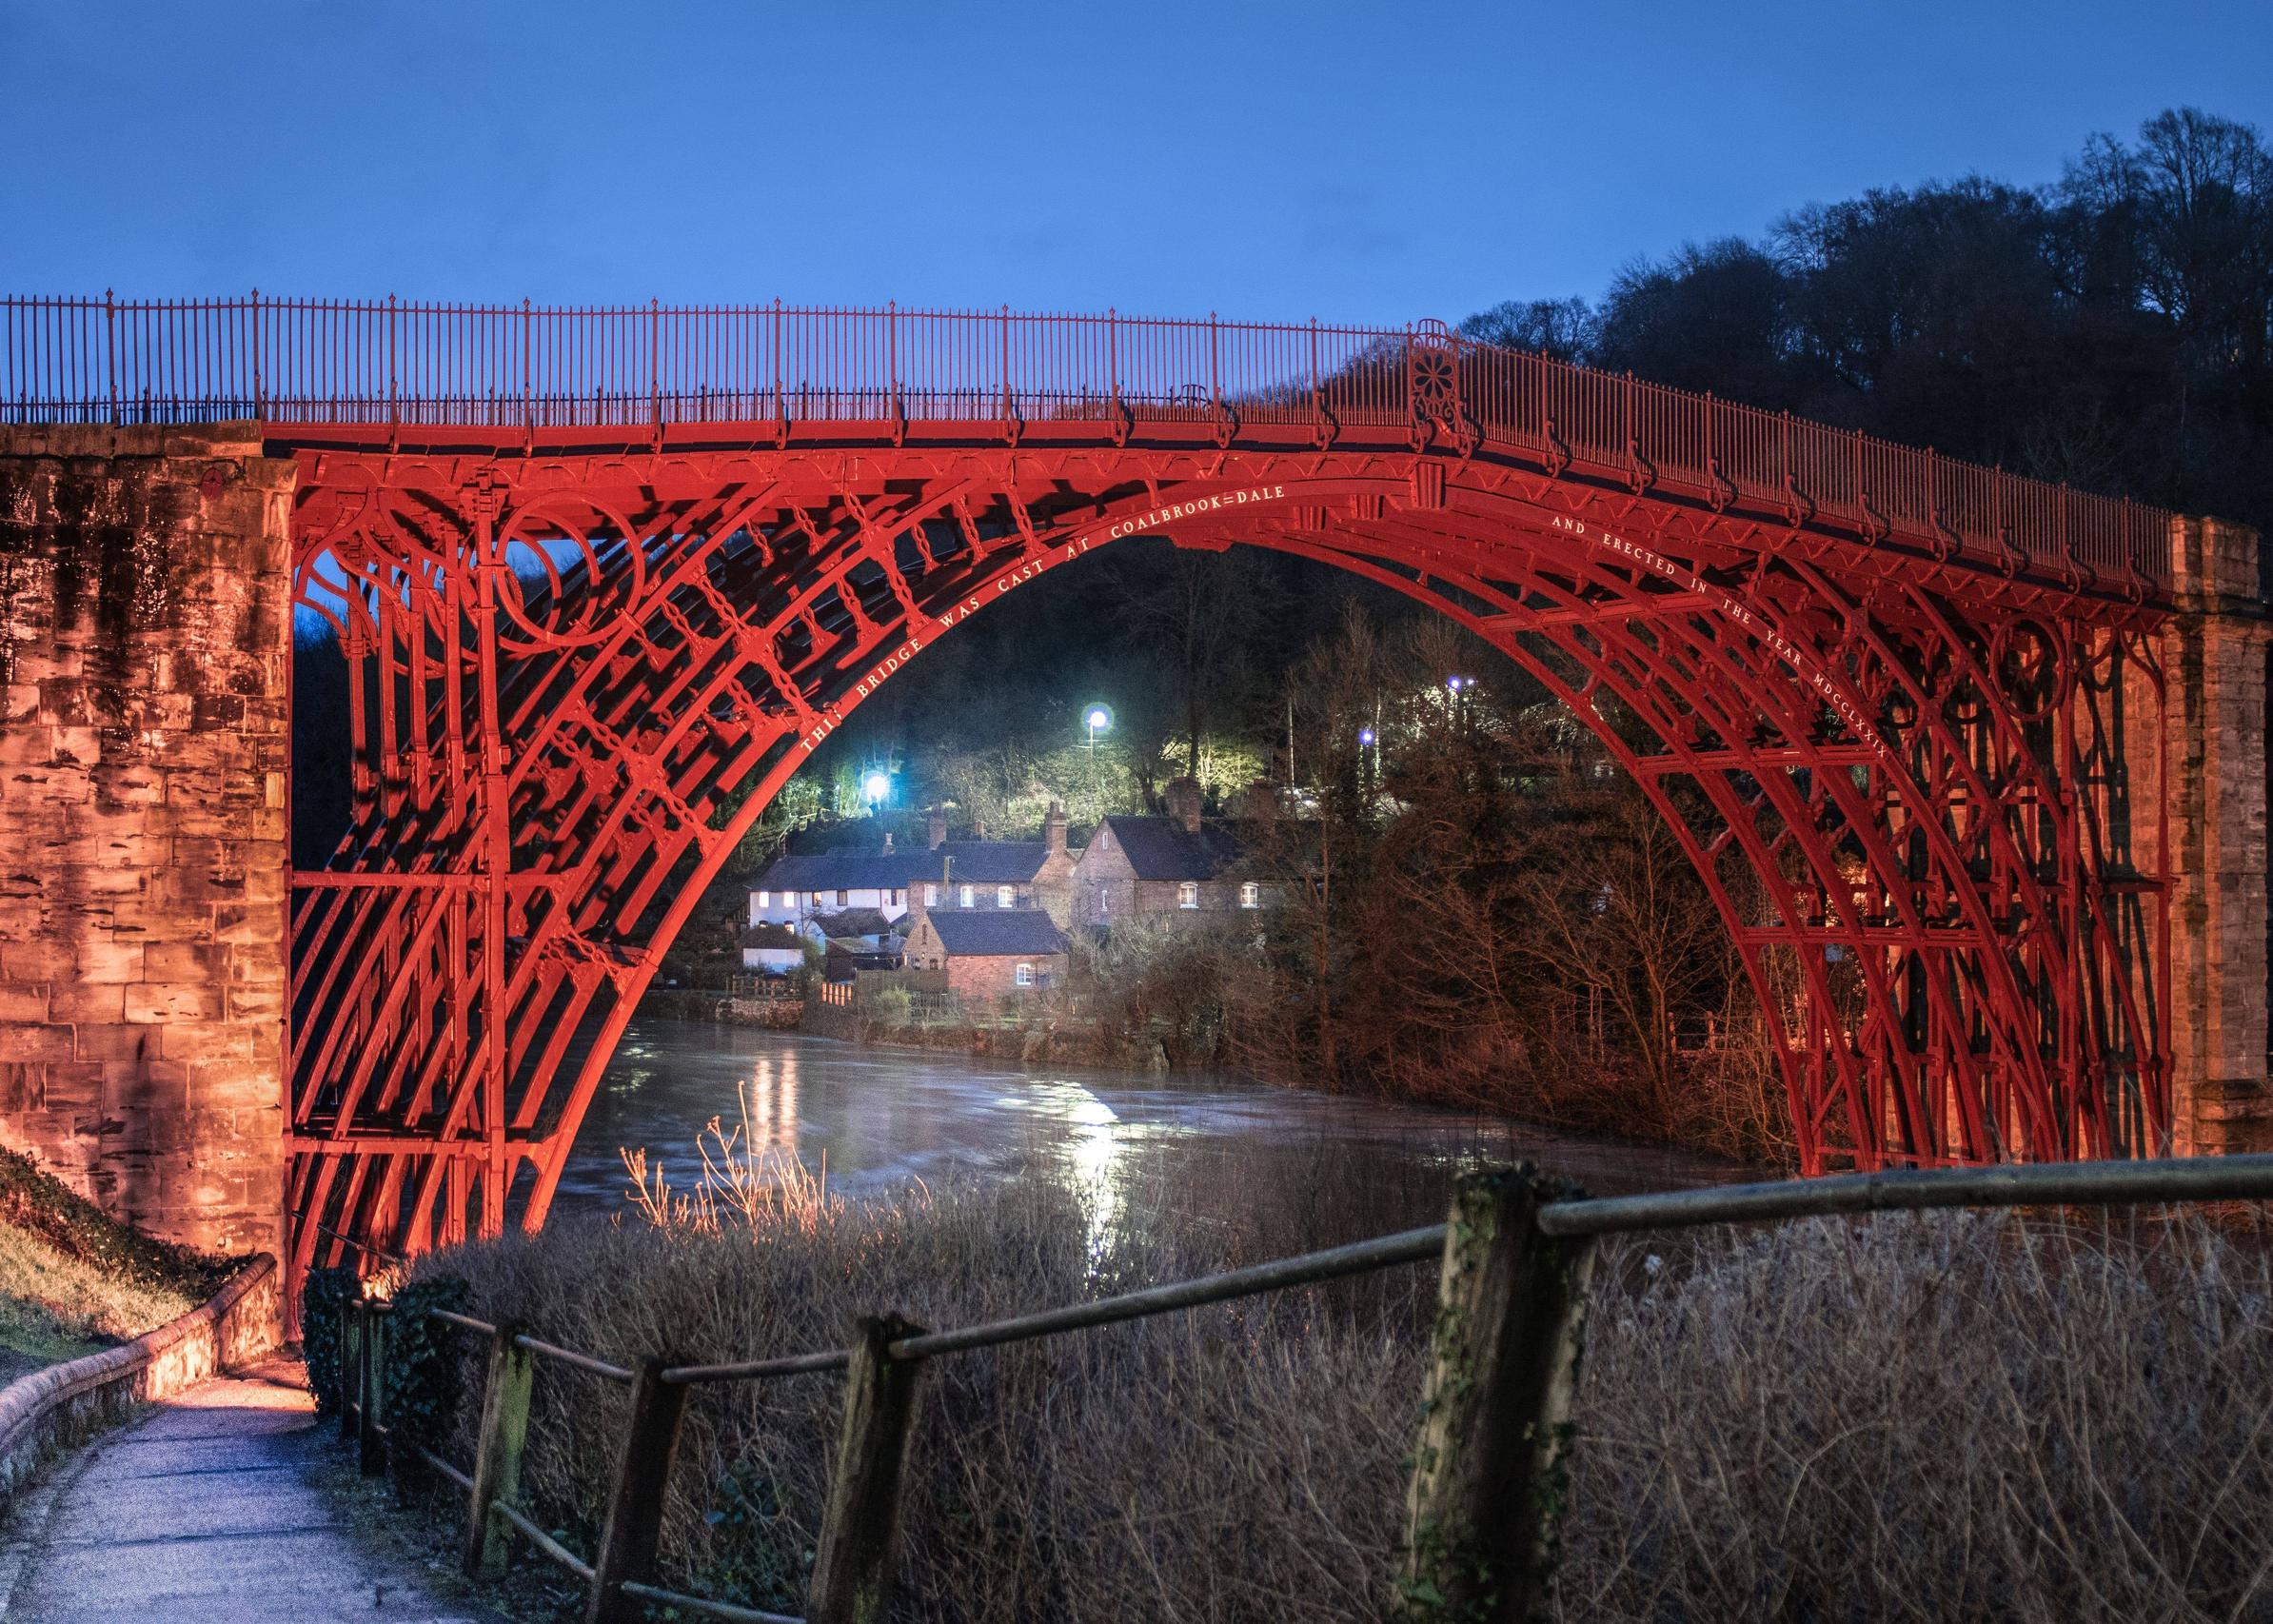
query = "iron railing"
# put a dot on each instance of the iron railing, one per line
(304, 362)
(1514, 1261)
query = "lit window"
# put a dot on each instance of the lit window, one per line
(931, 895)
(1025, 975)
(766, 898)
(1186, 894)
(1104, 900)
(1005, 896)
(963, 896)
(816, 899)
(844, 898)
(1251, 895)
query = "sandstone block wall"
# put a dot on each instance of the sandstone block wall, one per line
(144, 653)
(2216, 674)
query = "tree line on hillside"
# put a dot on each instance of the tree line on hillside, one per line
(2113, 329)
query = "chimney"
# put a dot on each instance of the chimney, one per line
(1263, 801)
(1182, 796)
(887, 843)
(979, 828)
(939, 828)
(1054, 829)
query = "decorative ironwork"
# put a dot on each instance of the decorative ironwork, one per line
(604, 579)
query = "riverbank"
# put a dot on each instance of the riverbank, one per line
(1764, 1429)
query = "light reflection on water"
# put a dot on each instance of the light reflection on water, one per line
(881, 1118)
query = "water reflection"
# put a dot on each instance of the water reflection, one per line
(1329, 1166)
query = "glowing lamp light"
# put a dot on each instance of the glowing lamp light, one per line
(1098, 719)
(1365, 736)
(1456, 684)
(876, 786)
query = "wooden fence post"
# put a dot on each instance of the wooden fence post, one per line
(350, 1369)
(635, 1506)
(854, 1569)
(497, 1457)
(371, 1415)
(1489, 1471)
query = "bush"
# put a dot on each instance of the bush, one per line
(324, 1300)
(1958, 1417)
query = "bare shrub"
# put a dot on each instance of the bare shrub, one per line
(1955, 1418)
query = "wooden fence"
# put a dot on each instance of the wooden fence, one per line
(1514, 1258)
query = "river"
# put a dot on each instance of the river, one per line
(878, 1118)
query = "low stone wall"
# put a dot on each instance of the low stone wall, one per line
(52, 1408)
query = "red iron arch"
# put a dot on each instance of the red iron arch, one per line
(1833, 729)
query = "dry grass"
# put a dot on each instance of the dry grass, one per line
(1960, 1418)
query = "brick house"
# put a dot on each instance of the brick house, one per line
(989, 954)
(1179, 867)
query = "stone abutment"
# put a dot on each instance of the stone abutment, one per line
(145, 655)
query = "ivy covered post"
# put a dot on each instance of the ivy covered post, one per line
(1488, 1473)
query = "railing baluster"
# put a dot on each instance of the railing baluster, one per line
(371, 1387)
(488, 1539)
(635, 1506)
(854, 1568)
(1487, 1475)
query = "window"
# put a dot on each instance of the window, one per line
(816, 899)
(963, 896)
(766, 898)
(1006, 896)
(1025, 975)
(1251, 895)
(1186, 894)
(1104, 900)
(844, 898)
(931, 895)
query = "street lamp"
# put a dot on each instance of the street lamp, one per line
(874, 788)
(1098, 718)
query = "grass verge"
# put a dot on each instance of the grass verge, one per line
(73, 1280)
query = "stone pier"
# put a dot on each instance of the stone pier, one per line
(2215, 676)
(144, 656)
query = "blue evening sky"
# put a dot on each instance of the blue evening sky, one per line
(1353, 162)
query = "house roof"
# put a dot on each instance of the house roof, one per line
(993, 933)
(852, 922)
(776, 936)
(987, 862)
(842, 871)
(969, 862)
(1162, 848)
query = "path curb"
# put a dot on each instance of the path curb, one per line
(65, 1404)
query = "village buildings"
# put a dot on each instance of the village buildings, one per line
(856, 906)
(990, 919)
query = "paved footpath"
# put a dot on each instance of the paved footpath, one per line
(206, 1509)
